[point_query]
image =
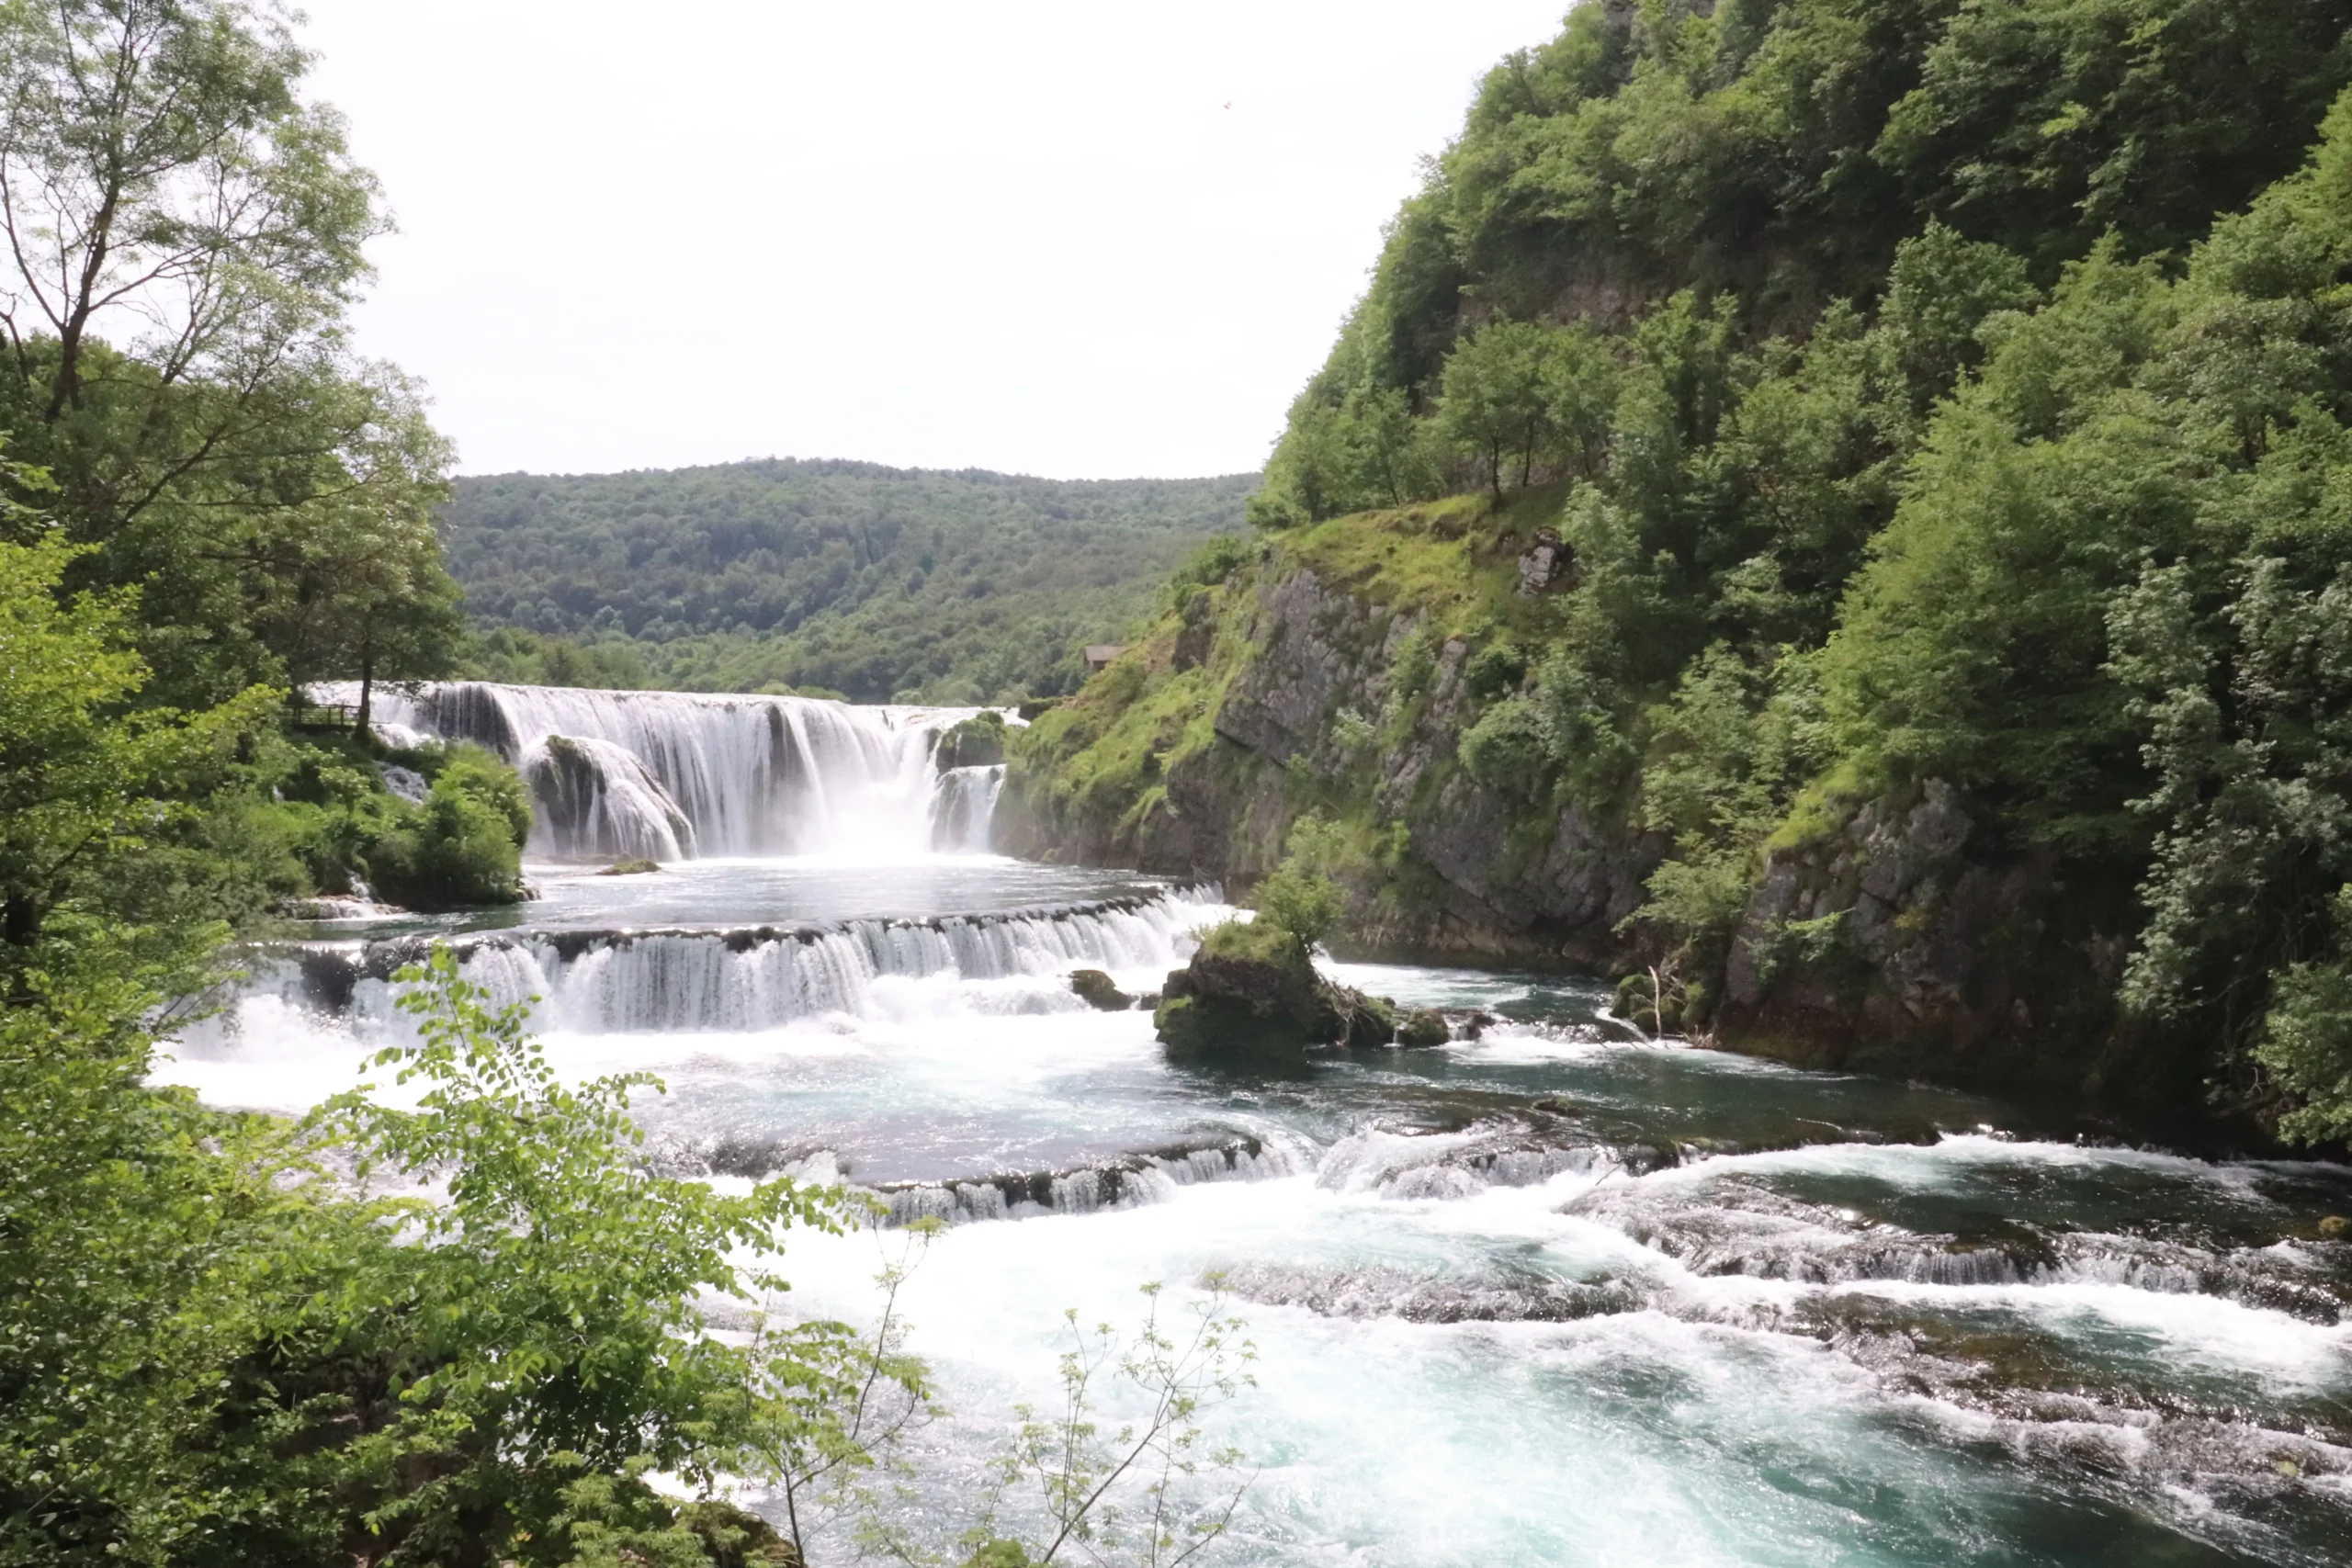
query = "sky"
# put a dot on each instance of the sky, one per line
(1084, 240)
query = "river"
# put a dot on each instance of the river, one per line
(1551, 1294)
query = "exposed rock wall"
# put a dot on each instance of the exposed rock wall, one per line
(1911, 938)
(1478, 879)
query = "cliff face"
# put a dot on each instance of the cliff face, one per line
(1288, 690)
(1903, 935)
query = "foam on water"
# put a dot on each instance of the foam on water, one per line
(1546, 1295)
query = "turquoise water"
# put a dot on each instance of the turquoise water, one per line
(1547, 1296)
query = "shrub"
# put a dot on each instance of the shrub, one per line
(1507, 747)
(977, 740)
(1415, 665)
(464, 845)
(1494, 669)
(1302, 901)
(1212, 563)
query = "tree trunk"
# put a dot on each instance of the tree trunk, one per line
(20, 918)
(366, 688)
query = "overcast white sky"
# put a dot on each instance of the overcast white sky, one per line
(1078, 240)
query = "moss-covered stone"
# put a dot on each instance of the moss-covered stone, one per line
(977, 741)
(1424, 1028)
(1098, 990)
(631, 866)
(1251, 993)
(735, 1538)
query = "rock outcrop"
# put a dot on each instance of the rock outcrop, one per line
(1099, 991)
(1319, 664)
(1253, 995)
(1905, 935)
(1910, 939)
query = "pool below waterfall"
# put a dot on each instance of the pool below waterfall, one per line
(1552, 1294)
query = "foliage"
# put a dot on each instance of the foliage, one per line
(94, 803)
(1508, 747)
(153, 1290)
(976, 742)
(549, 1300)
(185, 239)
(2306, 1041)
(1127, 1493)
(1516, 395)
(1298, 895)
(855, 1407)
(216, 1355)
(880, 583)
(463, 847)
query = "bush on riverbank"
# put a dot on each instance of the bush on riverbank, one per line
(463, 846)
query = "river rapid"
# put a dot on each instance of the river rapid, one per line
(1547, 1296)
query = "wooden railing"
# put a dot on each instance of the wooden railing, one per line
(323, 715)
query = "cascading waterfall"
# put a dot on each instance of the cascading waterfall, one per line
(674, 774)
(963, 807)
(760, 977)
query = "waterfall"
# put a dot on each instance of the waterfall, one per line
(763, 977)
(962, 806)
(675, 774)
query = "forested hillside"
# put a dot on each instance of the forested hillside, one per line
(1941, 410)
(870, 582)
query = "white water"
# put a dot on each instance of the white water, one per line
(1540, 1297)
(672, 774)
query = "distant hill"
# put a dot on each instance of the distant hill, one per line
(871, 581)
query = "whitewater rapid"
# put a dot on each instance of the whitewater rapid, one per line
(1544, 1294)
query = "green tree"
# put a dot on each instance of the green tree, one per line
(1495, 399)
(185, 237)
(463, 847)
(87, 788)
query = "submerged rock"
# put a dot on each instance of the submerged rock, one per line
(1251, 990)
(1098, 990)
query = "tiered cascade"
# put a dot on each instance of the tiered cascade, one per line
(676, 776)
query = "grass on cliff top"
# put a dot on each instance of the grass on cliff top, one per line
(1105, 751)
(1457, 559)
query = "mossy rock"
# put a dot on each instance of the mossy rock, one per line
(1635, 1003)
(1001, 1554)
(1424, 1028)
(1251, 992)
(1098, 990)
(977, 741)
(632, 865)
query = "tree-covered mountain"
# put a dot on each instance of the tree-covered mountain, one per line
(849, 576)
(1938, 413)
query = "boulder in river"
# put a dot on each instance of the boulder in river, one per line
(1425, 1027)
(1098, 990)
(1252, 991)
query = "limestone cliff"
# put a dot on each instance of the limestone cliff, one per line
(1330, 677)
